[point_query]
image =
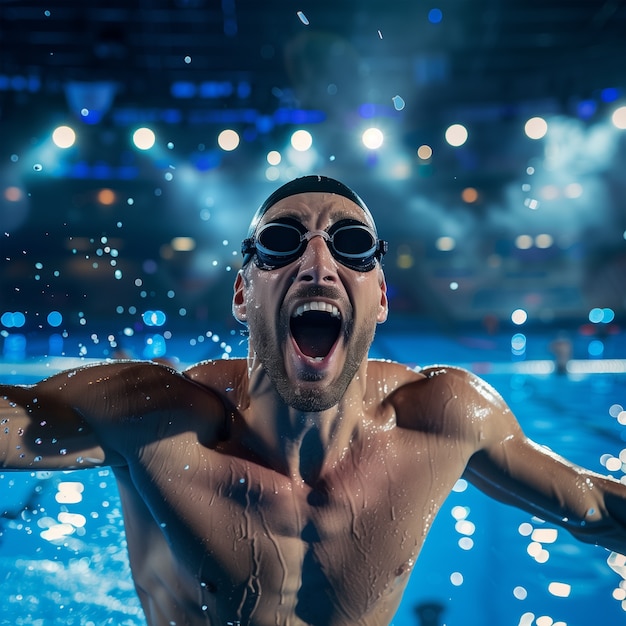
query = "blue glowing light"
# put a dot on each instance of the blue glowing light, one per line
(587, 109)
(183, 89)
(518, 344)
(435, 16)
(595, 348)
(155, 347)
(15, 319)
(610, 94)
(154, 318)
(601, 316)
(55, 318)
(15, 347)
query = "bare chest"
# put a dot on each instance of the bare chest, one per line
(257, 537)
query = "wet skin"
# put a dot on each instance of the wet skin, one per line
(284, 489)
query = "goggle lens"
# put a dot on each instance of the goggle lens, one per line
(350, 242)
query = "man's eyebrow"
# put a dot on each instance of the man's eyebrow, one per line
(335, 216)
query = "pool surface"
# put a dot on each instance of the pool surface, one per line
(62, 546)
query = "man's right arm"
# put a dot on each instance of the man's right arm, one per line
(47, 426)
(91, 416)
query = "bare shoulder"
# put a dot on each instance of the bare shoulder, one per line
(452, 401)
(228, 378)
(126, 392)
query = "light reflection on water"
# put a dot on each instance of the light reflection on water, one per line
(62, 546)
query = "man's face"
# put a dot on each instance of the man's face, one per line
(312, 321)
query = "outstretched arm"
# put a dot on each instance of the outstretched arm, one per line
(42, 427)
(501, 461)
(513, 469)
(93, 415)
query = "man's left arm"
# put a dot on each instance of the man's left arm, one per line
(515, 470)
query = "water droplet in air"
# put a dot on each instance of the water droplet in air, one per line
(303, 18)
(398, 103)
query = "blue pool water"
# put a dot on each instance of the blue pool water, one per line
(62, 557)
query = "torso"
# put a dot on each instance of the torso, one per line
(227, 539)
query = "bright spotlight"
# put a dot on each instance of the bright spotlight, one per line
(373, 138)
(456, 135)
(425, 152)
(272, 173)
(619, 118)
(519, 317)
(274, 157)
(544, 240)
(64, 137)
(536, 128)
(228, 140)
(301, 140)
(445, 244)
(523, 242)
(144, 138)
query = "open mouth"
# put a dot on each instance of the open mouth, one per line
(315, 328)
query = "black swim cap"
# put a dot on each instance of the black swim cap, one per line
(306, 184)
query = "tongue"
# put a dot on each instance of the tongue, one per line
(315, 333)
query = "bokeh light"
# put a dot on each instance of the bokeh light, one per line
(373, 138)
(144, 138)
(456, 135)
(536, 128)
(619, 118)
(64, 137)
(228, 140)
(301, 140)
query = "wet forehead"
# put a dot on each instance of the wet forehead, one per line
(316, 210)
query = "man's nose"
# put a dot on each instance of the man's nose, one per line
(317, 264)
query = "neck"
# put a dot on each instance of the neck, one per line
(298, 443)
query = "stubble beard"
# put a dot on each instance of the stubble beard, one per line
(304, 397)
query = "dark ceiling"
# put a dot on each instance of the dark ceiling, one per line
(190, 68)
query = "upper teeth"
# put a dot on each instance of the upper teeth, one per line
(317, 306)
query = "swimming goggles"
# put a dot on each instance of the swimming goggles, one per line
(279, 243)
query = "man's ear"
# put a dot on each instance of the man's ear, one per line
(383, 307)
(239, 300)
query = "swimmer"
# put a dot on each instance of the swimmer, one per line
(295, 486)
